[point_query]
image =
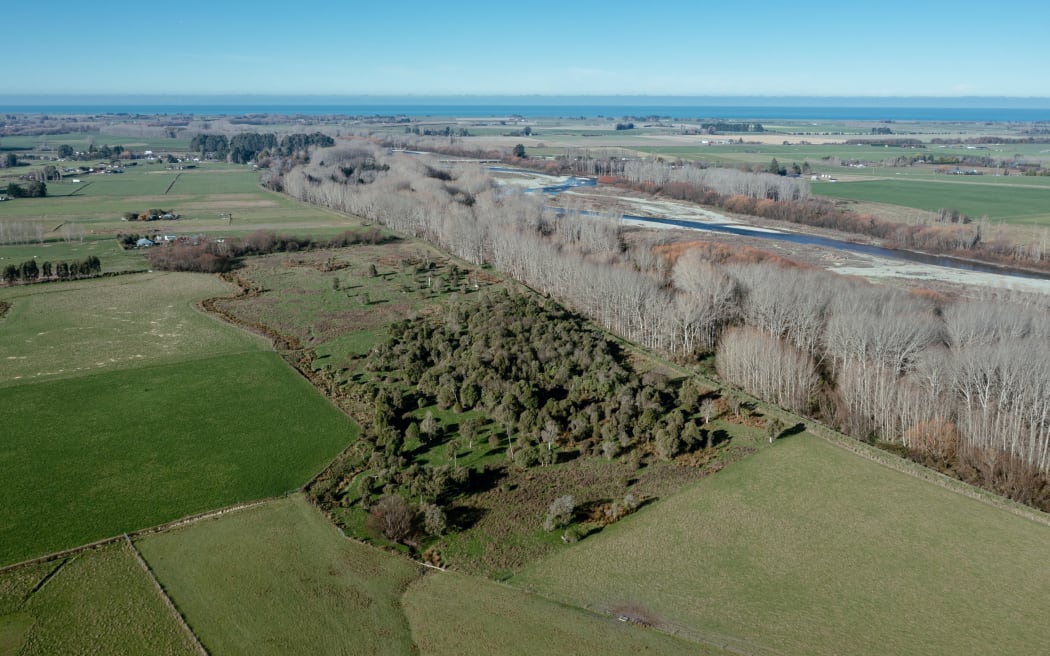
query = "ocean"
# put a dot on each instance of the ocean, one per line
(937, 110)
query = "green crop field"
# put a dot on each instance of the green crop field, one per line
(96, 602)
(456, 615)
(279, 579)
(305, 587)
(1012, 204)
(805, 548)
(100, 455)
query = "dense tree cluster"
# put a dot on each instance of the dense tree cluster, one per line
(542, 374)
(31, 189)
(714, 127)
(94, 152)
(210, 145)
(427, 131)
(245, 147)
(518, 375)
(21, 232)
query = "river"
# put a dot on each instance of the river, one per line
(745, 230)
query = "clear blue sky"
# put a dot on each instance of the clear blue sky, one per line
(757, 48)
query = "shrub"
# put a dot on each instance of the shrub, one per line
(392, 517)
(434, 521)
(560, 513)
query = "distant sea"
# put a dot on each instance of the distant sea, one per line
(726, 108)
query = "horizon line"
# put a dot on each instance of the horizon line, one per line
(16, 99)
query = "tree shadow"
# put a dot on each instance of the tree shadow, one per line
(483, 481)
(567, 455)
(464, 518)
(717, 437)
(586, 510)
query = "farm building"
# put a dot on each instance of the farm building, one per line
(144, 243)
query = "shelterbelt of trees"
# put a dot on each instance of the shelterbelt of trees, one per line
(963, 385)
(245, 147)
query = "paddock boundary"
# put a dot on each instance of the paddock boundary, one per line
(164, 596)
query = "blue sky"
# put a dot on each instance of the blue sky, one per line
(577, 47)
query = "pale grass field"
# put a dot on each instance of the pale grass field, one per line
(99, 601)
(279, 579)
(67, 329)
(804, 548)
(455, 615)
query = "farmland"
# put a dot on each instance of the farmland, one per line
(1018, 204)
(133, 409)
(804, 548)
(80, 218)
(452, 614)
(100, 455)
(90, 326)
(98, 601)
(330, 300)
(303, 584)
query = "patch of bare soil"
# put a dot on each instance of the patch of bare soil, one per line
(635, 614)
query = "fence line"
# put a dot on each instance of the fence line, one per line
(164, 596)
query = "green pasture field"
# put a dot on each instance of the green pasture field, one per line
(457, 615)
(82, 140)
(279, 579)
(805, 548)
(763, 153)
(999, 202)
(99, 455)
(98, 601)
(114, 258)
(68, 329)
(202, 197)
